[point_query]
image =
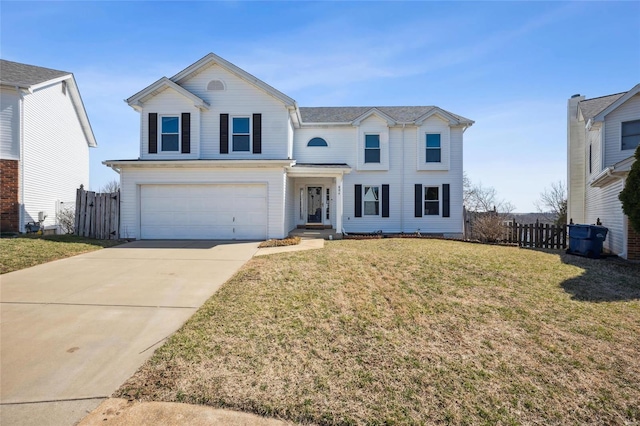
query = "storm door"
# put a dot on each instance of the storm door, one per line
(314, 204)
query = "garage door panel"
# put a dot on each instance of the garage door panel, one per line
(216, 211)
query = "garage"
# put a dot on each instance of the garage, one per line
(208, 211)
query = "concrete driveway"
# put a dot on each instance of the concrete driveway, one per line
(73, 330)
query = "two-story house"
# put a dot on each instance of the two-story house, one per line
(223, 155)
(602, 135)
(45, 138)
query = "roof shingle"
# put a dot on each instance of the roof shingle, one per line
(23, 75)
(592, 107)
(402, 114)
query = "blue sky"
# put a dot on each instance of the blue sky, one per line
(510, 66)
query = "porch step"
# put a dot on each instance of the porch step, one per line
(325, 234)
(310, 226)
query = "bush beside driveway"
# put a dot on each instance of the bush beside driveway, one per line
(410, 332)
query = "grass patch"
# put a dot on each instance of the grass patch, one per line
(399, 331)
(290, 241)
(30, 250)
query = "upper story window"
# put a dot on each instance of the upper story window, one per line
(241, 134)
(170, 131)
(630, 134)
(372, 149)
(434, 148)
(371, 200)
(317, 142)
(431, 200)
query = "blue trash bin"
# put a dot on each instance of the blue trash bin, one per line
(586, 240)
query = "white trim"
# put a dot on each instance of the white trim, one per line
(379, 186)
(323, 207)
(212, 58)
(317, 146)
(364, 157)
(374, 111)
(425, 147)
(621, 123)
(622, 99)
(160, 133)
(424, 199)
(137, 101)
(197, 164)
(453, 121)
(250, 134)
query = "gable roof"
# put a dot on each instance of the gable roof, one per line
(592, 107)
(160, 85)
(31, 77)
(26, 76)
(401, 114)
(615, 104)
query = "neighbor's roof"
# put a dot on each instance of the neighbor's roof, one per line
(401, 114)
(592, 107)
(23, 75)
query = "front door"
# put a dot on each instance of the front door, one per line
(314, 204)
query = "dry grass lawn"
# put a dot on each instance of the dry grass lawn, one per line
(31, 250)
(398, 331)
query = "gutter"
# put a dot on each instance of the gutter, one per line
(21, 165)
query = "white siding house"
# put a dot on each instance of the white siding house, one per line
(225, 155)
(45, 143)
(599, 160)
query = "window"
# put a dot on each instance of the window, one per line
(241, 134)
(328, 203)
(170, 131)
(630, 134)
(64, 88)
(434, 149)
(590, 160)
(431, 200)
(215, 85)
(317, 142)
(372, 149)
(371, 201)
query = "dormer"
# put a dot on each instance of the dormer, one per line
(170, 119)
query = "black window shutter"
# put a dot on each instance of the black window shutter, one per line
(445, 200)
(418, 202)
(385, 200)
(186, 133)
(224, 133)
(257, 133)
(358, 201)
(153, 133)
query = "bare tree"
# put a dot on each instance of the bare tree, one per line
(488, 211)
(553, 202)
(111, 186)
(480, 198)
(66, 217)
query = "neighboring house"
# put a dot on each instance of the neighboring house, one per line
(225, 155)
(603, 134)
(45, 137)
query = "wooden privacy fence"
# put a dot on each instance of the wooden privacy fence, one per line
(97, 214)
(537, 235)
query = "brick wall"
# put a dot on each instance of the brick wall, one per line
(9, 213)
(633, 244)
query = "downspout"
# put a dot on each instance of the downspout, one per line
(402, 189)
(21, 165)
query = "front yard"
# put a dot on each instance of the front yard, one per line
(31, 250)
(398, 331)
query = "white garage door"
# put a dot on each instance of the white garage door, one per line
(225, 211)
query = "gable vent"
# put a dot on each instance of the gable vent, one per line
(215, 85)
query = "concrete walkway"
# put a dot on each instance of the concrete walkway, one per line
(72, 331)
